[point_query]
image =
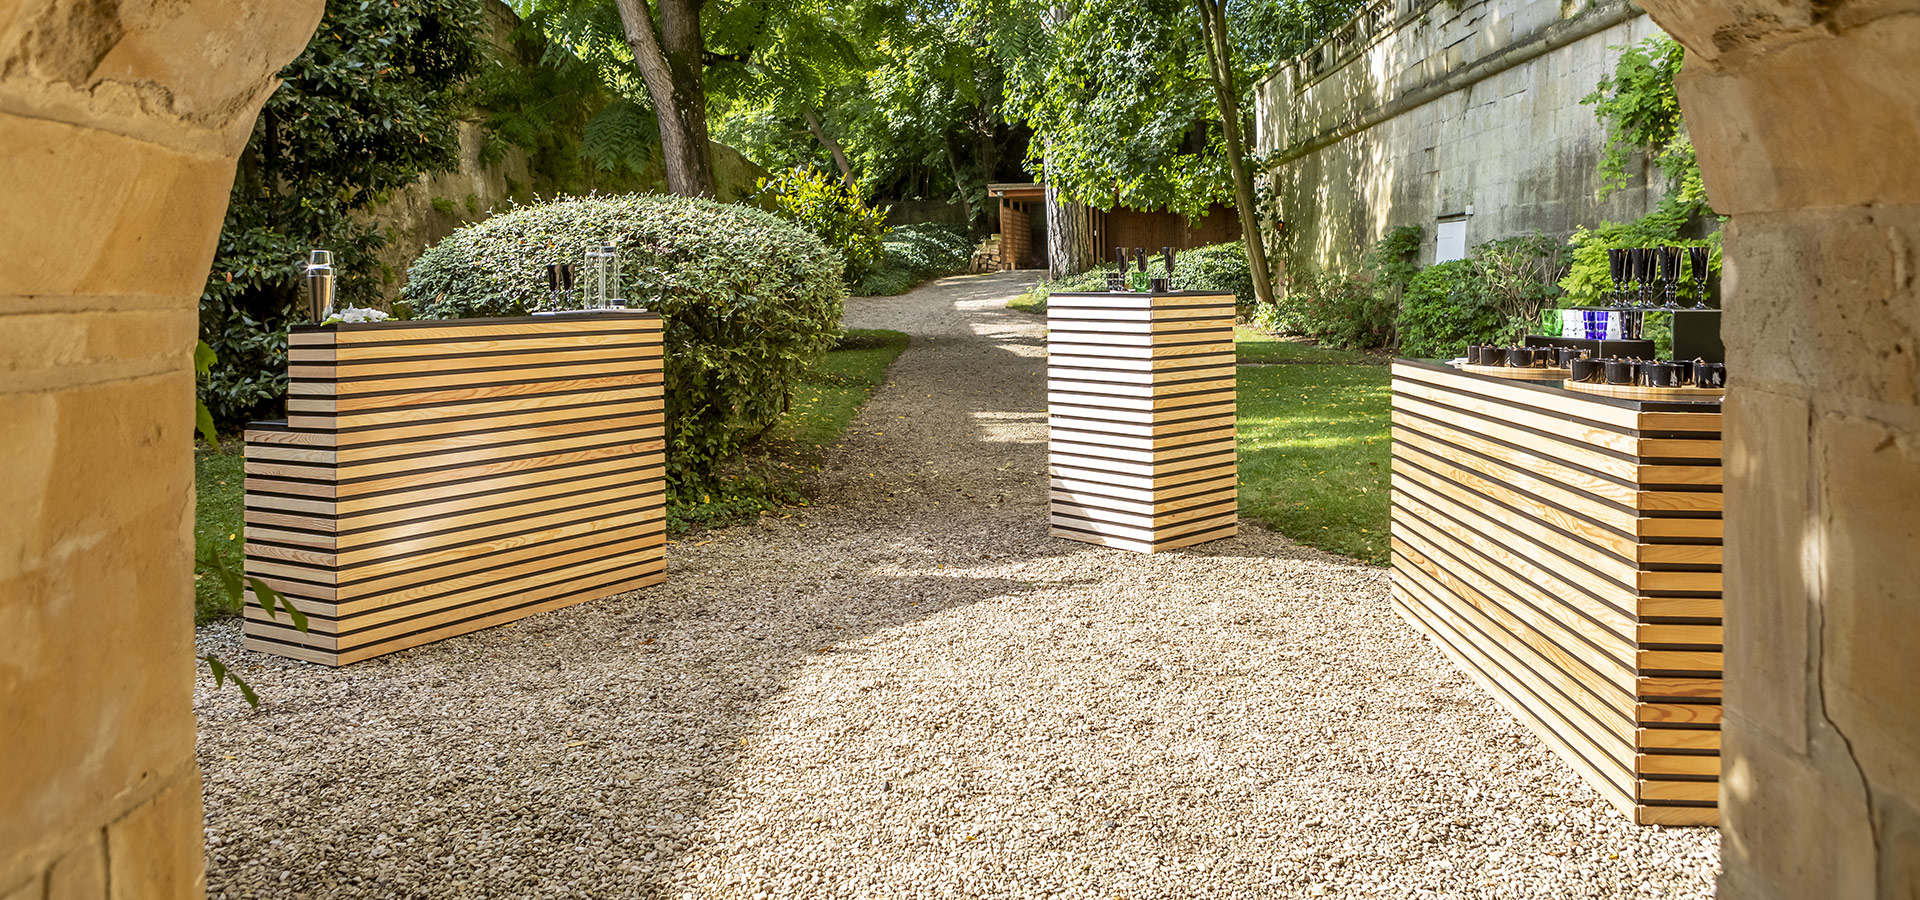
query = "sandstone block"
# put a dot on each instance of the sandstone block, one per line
(82, 873)
(1791, 825)
(148, 859)
(1764, 130)
(1854, 329)
(1771, 564)
(1870, 491)
(95, 566)
(96, 214)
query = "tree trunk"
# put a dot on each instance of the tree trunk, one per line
(670, 58)
(989, 154)
(1213, 17)
(959, 182)
(833, 147)
(1069, 236)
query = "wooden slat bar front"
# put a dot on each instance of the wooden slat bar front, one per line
(1140, 413)
(435, 478)
(1563, 548)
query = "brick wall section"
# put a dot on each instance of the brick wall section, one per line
(119, 125)
(1806, 116)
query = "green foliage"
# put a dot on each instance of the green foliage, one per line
(1119, 95)
(1587, 283)
(1520, 276)
(203, 360)
(1350, 312)
(1391, 261)
(1337, 310)
(1446, 308)
(911, 254)
(1217, 267)
(1638, 105)
(833, 211)
(749, 301)
(369, 106)
(773, 473)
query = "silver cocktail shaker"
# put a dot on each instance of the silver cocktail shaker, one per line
(320, 284)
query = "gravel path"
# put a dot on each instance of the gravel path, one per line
(913, 692)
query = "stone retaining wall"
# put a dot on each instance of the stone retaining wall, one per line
(1427, 110)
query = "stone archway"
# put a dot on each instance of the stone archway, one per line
(120, 121)
(1806, 116)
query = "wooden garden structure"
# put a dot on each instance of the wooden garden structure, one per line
(1140, 414)
(1564, 548)
(437, 477)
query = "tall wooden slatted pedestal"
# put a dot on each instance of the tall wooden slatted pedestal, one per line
(1564, 549)
(1140, 407)
(438, 477)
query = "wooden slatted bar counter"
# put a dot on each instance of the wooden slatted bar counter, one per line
(1140, 414)
(1564, 549)
(438, 477)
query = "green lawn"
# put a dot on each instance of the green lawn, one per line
(1314, 453)
(216, 522)
(766, 478)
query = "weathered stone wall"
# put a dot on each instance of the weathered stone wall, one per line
(1807, 118)
(1432, 109)
(120, 121)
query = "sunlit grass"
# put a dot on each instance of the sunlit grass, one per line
(217, 479)
(1314, 448)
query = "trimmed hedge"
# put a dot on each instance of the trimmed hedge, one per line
(748, 300)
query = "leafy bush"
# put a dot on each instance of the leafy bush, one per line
(1586, 282)
(1446, 308)
(1335, 310)
(832, 210)
(1520, 277)
(1344, 311)
(749, 301)
(911, 254)
(368, 106)
(1217, 267)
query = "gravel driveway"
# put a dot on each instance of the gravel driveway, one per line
(911, 691)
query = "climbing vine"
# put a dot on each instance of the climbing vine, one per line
(1641, 111)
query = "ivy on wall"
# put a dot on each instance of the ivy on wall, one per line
(368, 107)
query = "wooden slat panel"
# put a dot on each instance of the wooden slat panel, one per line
(1595, 763)
(1672, 686)
(1667, 764)
(1678, 738)
(484, 472)
(1678, 816)
(1677, 714)
(1505, 393)
(1141, 404)
(1533, 532)
(1694, 791)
